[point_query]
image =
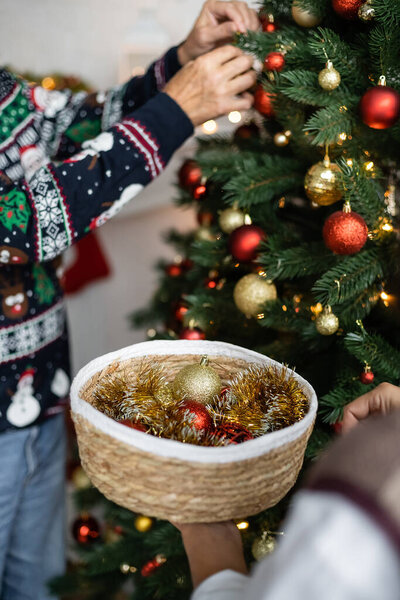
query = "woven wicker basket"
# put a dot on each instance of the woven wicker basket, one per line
(183, 482)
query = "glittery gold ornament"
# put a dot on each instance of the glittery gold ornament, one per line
(252, 292)
(230, 219)
(322, 183)
(366, 12)
(198, 382)
(304, 18)
(143, 523)
(263, 546)
(327, 322)
(80, 480)
(204, 234)
(281, 139)
(329, 78)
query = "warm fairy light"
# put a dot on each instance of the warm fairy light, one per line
(284, 307)
(236, 265)
(151, 333)
(282, 202)
(260, 316)
(342, 136)
(242, 525)
(209, 127)
(48, 83)
(261, 272)
(386, 227)
(235, 116)
(247, 219)
(297, 298)
(349, 161)
(316, 309)
(368, 166)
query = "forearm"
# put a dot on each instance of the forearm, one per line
(212, 548)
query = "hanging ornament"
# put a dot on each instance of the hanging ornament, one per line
(180, 311)
(230, 219)
(247, 131)
(205, 234)
(192, 333)
(199, 191)
(198, 382)
(244, 242)
(274, 61)
(80, 480)
(196, 415)
(263, 101)
(233, 433)
(366, 12)
(303, 17)
(143, 523)
(281, 139)
(189, 174)
(380, 106)
(329, 78)
(263, 546)
(205, 218)
(367, 376)
(252, 292)
(86, 529)
(152, 565)
(327, 322)
(347, 9)
(322, 183)
(267, 23)
(214, 282)
(174, 270)
(345, 232)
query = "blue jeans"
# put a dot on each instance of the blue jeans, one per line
(32, 509)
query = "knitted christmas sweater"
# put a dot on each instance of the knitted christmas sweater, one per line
(108, 146)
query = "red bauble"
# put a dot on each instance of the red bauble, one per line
(197, 414)
(233, 433)
(268, 27)
(337, 427)
(380, 107)
(348, 9)
(132, 425)
(189, 174)
(174, 270)
(367, 377)
(244, 242)
(152, 565)
(212, 282)
(180, 311)
(345, 232)
(263, 102)
(205, 218)
(199, 191)
(274, 61)
(86, 530)
(247, 131)
(192, 333)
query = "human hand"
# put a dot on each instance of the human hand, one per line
(381, 400)
(216, 25)
(214, 84)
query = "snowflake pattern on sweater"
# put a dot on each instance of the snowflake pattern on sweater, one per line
(108, 146)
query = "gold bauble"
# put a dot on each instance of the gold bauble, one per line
(304, 18)
(263, 546)
(366, 12)
(329, 78)
(252, 292)
(80, 480)
(230, 219)
(322, 183)
(281, 139)
(327, 322)
(198, 382)
(204, 234)
(143, 523)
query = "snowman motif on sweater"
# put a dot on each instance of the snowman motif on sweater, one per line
(24, 408)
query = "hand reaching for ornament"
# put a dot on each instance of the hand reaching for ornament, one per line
(214, 84)
(216, 25)
(381, 400)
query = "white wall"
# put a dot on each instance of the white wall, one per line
(84, 37)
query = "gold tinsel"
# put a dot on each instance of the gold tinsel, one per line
(261, 399)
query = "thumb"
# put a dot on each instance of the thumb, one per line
(225, 31)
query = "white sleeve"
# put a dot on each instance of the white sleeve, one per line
(331, 550)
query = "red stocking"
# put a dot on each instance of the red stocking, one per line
(90, 265)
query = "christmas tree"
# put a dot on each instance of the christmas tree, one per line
(296, 255)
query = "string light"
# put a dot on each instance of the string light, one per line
(368, 166)
(48, 83)
(235, 116)
(342, 136)
(349, 162)
(316, 309)
(242, 525)
(210, 127)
